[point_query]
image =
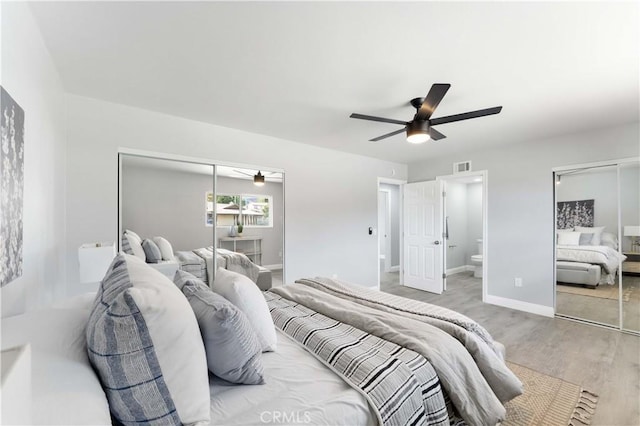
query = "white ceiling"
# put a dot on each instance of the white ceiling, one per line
(297, 70)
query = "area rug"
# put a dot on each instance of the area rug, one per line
(548, 401)
(603, 291)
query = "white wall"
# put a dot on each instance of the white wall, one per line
(167, 203)
(29, 76)
(600, 185)
(520, 202)
(456, 207)
(331, 197)
(394, 221)
(474, 218)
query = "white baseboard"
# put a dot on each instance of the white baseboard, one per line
(463, 268)
(275, 267)
(395, 268)
(519, 305)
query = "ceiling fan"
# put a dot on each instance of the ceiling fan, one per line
(258, 178)
(420, 129)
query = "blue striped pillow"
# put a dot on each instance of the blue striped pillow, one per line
(152, 373)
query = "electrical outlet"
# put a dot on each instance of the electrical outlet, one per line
(517, 282)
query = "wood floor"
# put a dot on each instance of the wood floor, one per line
(602, 361)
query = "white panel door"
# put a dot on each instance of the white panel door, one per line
(423, 244)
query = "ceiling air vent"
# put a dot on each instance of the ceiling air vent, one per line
(462, 166)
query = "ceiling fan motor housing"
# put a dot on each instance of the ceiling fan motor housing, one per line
(417, 127)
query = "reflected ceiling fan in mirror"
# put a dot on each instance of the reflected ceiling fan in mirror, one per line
(258, 178)
(420, 129)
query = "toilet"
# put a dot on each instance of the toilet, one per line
(476, 261)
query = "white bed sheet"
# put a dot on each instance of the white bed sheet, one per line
(299, 389)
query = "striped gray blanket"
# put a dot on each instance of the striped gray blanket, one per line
(404, 305)
(192, 263)
(400, 384)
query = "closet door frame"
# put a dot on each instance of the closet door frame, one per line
(611, 163)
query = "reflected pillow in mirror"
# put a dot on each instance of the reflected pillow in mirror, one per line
(610, 240)
(131, 245)
(597, 231)
(569, 239)
(585, 239)
(151, 251)
(165, 248)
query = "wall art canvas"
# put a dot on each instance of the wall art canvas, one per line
(11, 188)
(575, 213)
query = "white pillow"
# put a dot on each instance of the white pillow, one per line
(597, 232)
(245, 294)
(135, 246)
(134, 235)
(165, 248)
(569, 239)
(144, 341)
(65, 389)
(564, 230)
(610, 240)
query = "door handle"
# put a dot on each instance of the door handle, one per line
(436, 243)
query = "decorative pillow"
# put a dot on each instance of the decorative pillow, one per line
(585, 239)
(144, 342)
(233, 350)
(596, 231)
(569, 238)
(165, 248)
(564, 230)
(610, 240)
(151, 251)
(131, 245)
(244, 293)
(134, 235)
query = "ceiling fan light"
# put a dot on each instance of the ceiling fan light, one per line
(258, 179)
(417, 132)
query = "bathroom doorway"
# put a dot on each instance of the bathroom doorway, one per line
(465, 233)
(389, 232)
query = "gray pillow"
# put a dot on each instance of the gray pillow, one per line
(585, 239)
(152, 251)
(232, 347)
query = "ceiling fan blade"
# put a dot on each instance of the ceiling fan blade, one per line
(435, 135)
(432, 101)
(465, 116)
(387, 135)
(372, 118)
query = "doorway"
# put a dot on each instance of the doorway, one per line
(389, 231)
(465, 233)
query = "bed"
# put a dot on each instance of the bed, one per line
(345, 355)
(585, 261)
(199, 262)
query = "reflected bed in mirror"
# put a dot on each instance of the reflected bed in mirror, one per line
(168, 209)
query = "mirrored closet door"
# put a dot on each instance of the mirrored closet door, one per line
(630, 221)
(597, 209)
(166, 198)
(207, 215)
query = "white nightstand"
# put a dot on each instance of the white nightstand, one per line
(15, 386)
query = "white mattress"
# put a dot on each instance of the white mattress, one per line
(299, 389)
